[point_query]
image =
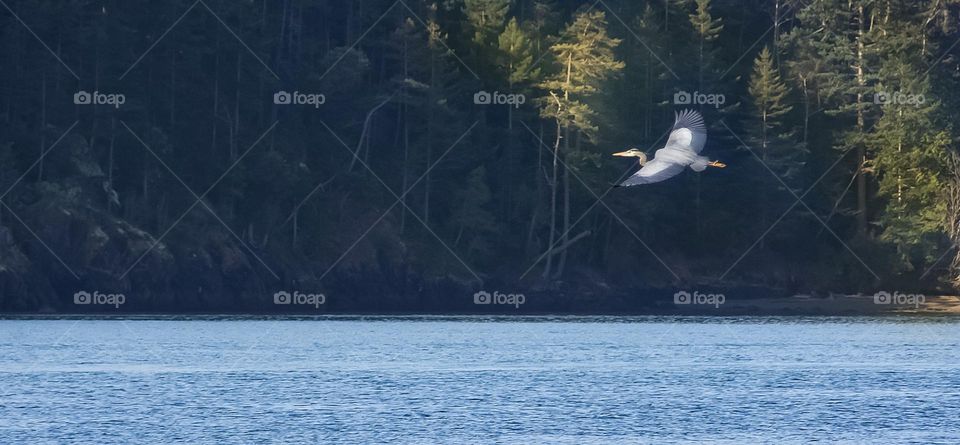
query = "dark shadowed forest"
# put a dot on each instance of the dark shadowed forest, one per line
(400, 155)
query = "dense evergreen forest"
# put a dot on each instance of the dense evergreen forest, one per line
(391, 154)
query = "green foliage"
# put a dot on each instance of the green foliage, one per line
(704, 24)
(517, 54)
(583, 59)
(768, 131)
(486, 18)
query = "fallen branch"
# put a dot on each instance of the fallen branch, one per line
(567, 244)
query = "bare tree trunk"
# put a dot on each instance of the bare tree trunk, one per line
(536, 211)
(764, 194)
(173, 86)
(806, 109)
(403, 128)
(553, 192)
(566, 209)
(113, 138)
(235, 142)
(861, 128)
(216, 95)
(43, 123)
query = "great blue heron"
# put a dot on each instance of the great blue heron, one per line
(682, 149)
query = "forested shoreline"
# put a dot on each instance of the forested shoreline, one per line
(201, 155)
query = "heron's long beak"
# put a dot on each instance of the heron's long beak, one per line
(622, 153)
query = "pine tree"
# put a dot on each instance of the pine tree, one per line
(486, 19)
(912, 143)
(769, 134)
(841, 35)
(517, 54)
(583, 59)
(645, 74)
(430, 78)
(706, 30)
(911, 166)
(516, 59)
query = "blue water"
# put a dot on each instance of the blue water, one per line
(481, 380)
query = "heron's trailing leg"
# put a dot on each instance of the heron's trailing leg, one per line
(717, 164)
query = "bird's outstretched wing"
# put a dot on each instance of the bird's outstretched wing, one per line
(653, 171)
(689, 132)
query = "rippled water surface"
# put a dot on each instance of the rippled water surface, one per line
(480, 380)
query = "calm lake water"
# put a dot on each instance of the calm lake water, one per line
(481, 380)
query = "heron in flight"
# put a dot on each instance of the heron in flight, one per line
(683, 147)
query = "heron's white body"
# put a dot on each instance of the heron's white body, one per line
(685, 158)
(682, 150)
